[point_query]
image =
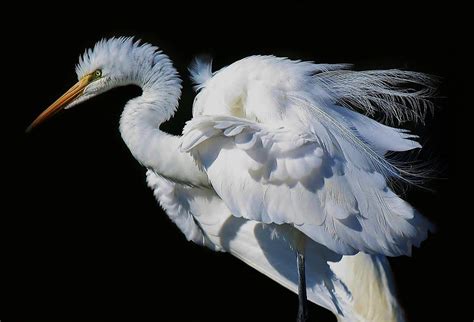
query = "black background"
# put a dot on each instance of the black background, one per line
(84, 236)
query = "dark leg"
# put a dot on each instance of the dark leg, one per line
(302, 306)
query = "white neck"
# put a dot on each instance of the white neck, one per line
(142, 116)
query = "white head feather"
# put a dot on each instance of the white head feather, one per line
(123, 61)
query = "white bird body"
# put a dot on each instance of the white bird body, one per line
(272, 162)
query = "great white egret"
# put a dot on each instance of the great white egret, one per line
(275, 167)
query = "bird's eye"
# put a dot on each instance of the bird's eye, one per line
(97, 73)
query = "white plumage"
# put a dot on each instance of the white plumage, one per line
(278, 149)
(273, 159)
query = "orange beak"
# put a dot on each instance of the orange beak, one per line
(73, 93)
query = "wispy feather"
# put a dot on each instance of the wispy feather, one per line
(383, 91)
(201, 71)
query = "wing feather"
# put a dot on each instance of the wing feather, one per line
(282, 176)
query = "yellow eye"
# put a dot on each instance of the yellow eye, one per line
(97, 73)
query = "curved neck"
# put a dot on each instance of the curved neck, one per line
(142, 116)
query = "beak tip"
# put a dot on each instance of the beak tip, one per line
(29, 129)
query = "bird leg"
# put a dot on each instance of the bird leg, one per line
(302, 305)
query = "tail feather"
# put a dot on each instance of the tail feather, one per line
(369, 278)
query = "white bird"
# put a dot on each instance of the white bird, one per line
(276, 166)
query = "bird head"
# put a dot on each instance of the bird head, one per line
(110, 63)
